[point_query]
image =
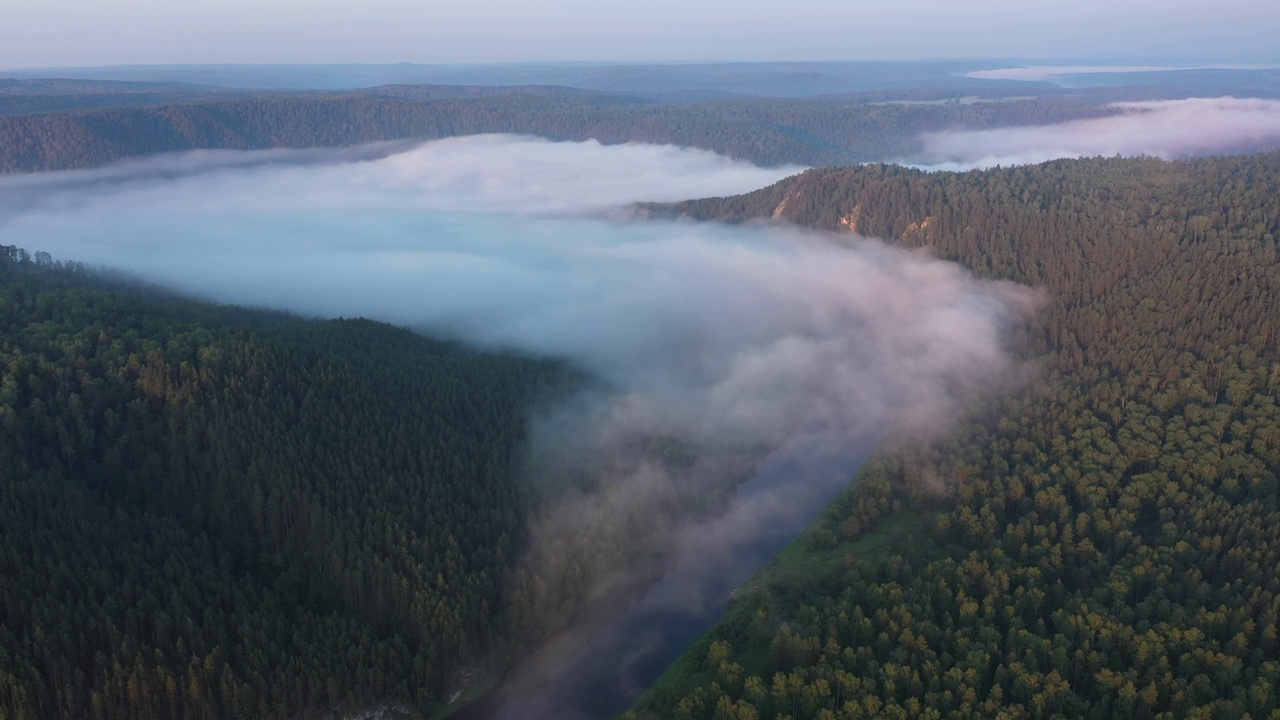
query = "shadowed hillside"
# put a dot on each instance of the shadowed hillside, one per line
(219, 512)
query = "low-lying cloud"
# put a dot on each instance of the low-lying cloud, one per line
(505, 241)
(491, 174)
(1166, 129)
(1042, 73)
(748, 349)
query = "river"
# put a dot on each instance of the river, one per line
(625, 656)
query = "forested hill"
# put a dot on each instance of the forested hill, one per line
(217, 512)
(1108, 541)
(764, 131)
(22, 97)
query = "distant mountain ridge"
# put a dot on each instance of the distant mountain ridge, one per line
(764, 131)
(783, 79)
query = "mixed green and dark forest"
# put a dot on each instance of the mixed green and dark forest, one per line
(208, 511)
(211, 511)
(1104, 542)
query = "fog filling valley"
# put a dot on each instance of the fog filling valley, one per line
(1165, 129)
(745, 351)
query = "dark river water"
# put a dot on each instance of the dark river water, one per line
(628, 653)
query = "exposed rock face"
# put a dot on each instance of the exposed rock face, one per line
(779, 211)
(918, 233)
(851, 220)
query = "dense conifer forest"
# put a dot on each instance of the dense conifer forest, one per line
(1104, 542)
(218, 512)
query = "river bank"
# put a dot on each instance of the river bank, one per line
(599, 667)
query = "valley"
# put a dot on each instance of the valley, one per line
(698, 391)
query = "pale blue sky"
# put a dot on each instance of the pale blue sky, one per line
(98, 32)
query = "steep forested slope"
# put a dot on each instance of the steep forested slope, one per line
(214, 512)
(1103, 543)
(762, 130)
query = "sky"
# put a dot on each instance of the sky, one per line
(52, 33)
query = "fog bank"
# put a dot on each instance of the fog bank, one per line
(1040, 73)
(506, 242)
(722, 351)
(1166, 129)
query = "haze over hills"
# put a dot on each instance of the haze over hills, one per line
(1037, 401)
(783, 79)
(851, 112)
(772, 79)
